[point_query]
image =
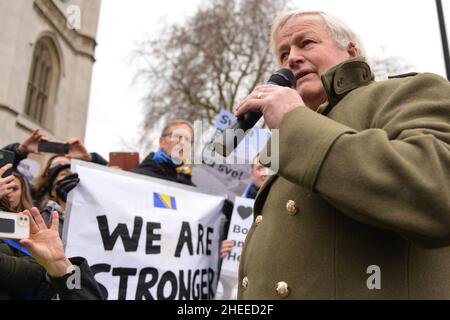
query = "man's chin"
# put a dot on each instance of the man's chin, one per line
(310, 91)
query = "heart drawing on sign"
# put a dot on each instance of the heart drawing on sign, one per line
(245, 212)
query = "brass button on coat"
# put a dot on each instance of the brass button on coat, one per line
(291, 208)
(245, 283)
(282, 289)
(258, 220)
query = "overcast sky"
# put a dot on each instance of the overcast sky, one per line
(405, 28)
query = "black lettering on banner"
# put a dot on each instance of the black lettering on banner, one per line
(109, 240)
(150, 248)
(143, 286)
(123, 273)
(195, 285)
(184, 238)
(185, 292)
(211, 292)
(185, 285)
(208, 240)
(100, 268)
(204, 284)
(200, 240)
(167, 277)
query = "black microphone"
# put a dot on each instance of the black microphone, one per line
(231, 137)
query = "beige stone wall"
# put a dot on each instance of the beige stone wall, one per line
(23, 23)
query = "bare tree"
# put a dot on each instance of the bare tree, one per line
(210, 62)
(385, 65)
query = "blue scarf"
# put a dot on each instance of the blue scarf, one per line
(16, 245)
(247, 190)
(161, 157)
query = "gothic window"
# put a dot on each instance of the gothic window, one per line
(43, 82)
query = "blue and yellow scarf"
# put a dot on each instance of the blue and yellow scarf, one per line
(161, 157)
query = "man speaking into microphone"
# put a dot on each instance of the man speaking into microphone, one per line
(360, 206)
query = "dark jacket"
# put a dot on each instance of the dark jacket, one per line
(19, 273)
(166, 171)
(89, 288)
(17, 156)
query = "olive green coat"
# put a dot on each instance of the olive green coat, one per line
(360, 207)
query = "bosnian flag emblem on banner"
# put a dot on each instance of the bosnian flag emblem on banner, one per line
(164, 201)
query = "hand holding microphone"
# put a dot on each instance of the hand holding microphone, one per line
(273, 100)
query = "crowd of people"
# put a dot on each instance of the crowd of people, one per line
(26, 267)
(36, 268)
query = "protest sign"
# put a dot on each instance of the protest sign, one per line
(144, 238)
(240, 224)
(229, 175)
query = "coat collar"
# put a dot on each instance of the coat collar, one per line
(343, 78)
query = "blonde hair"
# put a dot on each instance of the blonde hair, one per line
(338, 29)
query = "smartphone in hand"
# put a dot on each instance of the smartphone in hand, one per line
(53, 147)
(14, 226)
(5, 158)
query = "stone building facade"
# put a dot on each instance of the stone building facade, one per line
(47, 53)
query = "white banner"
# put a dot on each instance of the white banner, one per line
(240, 224)
(144, 238)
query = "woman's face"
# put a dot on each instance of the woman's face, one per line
(14, 197)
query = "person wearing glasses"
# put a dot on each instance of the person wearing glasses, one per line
(171, 161)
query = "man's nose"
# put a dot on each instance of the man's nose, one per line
(295, 58)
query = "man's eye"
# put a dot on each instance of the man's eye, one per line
(307, 42)
(284, 56)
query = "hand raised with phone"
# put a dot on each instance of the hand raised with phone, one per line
(77, 150)
(31, 144)
(73, 149)
(6, 183)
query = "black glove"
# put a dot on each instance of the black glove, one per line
(64, 186)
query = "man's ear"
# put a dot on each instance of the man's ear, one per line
(352, 50)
